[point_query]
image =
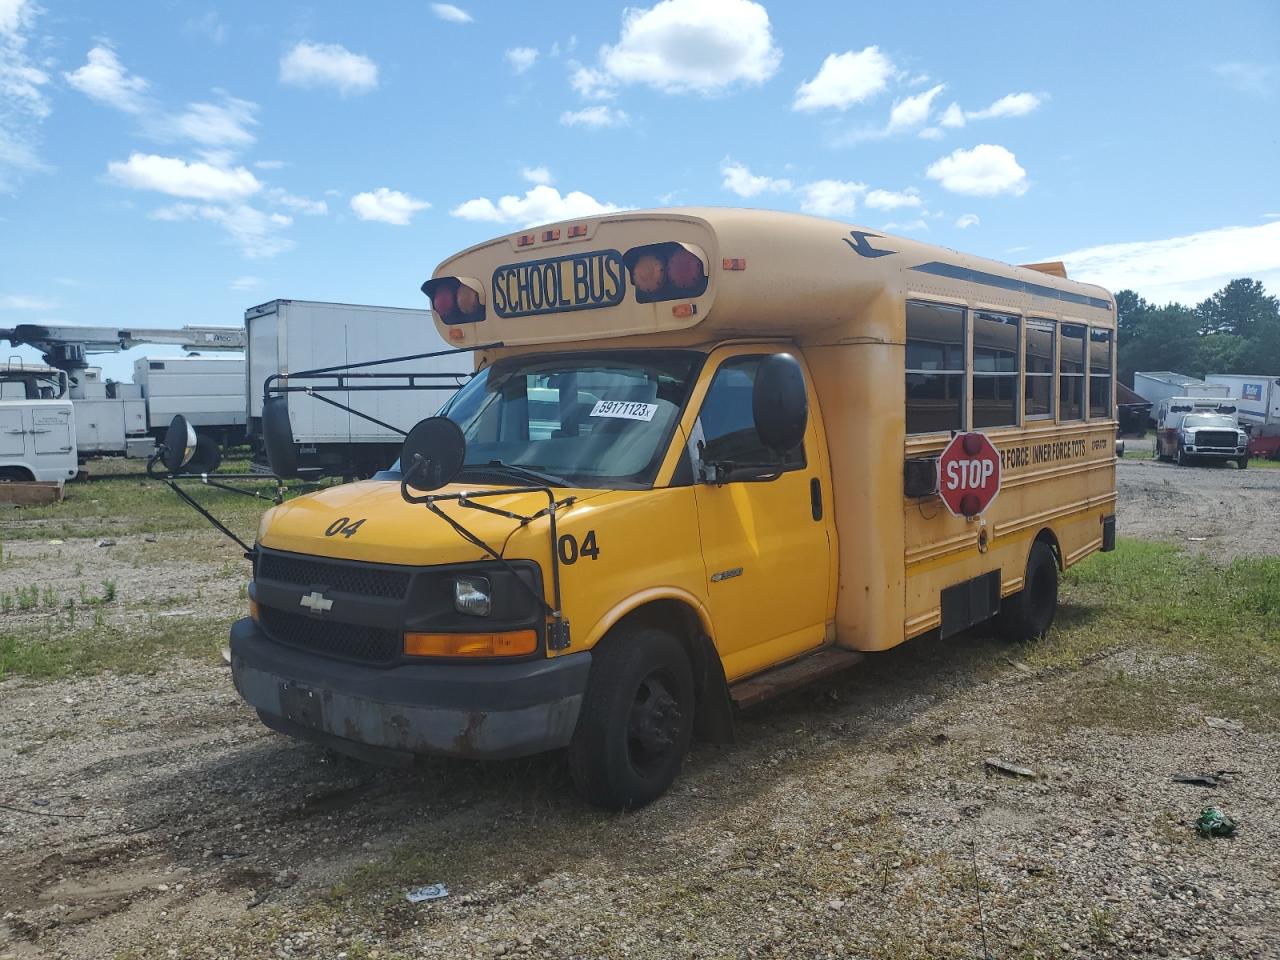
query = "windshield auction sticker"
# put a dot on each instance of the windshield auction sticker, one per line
(624, 410)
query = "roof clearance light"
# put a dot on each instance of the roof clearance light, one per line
(578, 230)
(548, 235)
(526, 240)
(666, 271)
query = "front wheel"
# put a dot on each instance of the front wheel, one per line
(1028, 614)
(1243, 463)
(1182, 457)
(636, 720)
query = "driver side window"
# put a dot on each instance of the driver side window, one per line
(728, 432)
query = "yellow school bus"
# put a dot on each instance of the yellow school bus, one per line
(697, 466)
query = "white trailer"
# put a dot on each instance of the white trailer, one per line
(289, 336)
(37, 425)
(1257, 397)
(208, 391)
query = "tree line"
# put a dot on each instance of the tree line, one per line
(1237, 330)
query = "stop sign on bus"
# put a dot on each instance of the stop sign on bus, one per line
(969, 474)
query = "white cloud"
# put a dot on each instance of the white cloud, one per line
(1257, 79)
(540, 204)
(226, 124)
(451, 14)
(271, 164)
(241, 284)
(257, 234)
(23, 104)
(1010, 105)
(831, 198)
(19, 301)
(845, 79)
(1185, 269)
(592, 84)
(310, 65)
(597, 116)
(387, 206)
(105, 79)
(889, 200)
(967, 220)
(911, 226)
(693, 46)
(521, 58)
(985, 171)
(292, 201)
(178, 178)
(539, 175)
(953, 116)
(912, 111)
(740, 180)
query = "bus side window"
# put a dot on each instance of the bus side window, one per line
(1099, 374)
(995, 370)
(935, 367)
(1071, 373)
(1041, 363)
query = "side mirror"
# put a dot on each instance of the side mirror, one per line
(179, 444)
(432, 454)
(277, 436)
(780, 403)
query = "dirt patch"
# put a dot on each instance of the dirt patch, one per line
(1216, 511)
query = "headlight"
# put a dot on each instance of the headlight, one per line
(471, 596)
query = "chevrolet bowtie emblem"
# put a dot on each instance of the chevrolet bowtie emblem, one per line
(316, 602)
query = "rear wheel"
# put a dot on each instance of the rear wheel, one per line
(1028, 614)
(636, 720)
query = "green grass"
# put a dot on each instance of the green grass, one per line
(74, 644)
(124, 505)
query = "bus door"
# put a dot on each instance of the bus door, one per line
(765, 542)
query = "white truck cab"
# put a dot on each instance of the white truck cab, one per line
(37, 424)
(1199, 428)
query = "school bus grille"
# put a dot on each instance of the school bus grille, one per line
(1216, 438)
(345, 577)
(349, 641)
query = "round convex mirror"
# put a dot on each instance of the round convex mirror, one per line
(179, 444)
(432, 454)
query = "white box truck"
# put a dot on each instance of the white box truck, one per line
(1156, 385)
(208, 391)
(289, 336)
(37, 424)
(1257, 397)
(106, 421)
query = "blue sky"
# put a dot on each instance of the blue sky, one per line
(172, 163)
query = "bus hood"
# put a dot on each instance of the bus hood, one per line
(370, 521)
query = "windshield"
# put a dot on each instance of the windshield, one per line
(592, 420)
(1208, 420)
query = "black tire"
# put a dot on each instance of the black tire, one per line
(636, 720)
(1243, 463)
(1182, 459)
(14, 475)
(1029, 613)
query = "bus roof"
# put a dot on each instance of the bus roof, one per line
(765, 273)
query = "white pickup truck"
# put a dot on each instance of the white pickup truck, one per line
(1196, 429)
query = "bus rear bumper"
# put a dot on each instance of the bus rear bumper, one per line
(389, 715)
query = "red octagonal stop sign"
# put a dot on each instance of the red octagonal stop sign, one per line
(969, 474)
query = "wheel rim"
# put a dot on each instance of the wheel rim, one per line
(653, 725)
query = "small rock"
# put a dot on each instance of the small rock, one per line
(106, 543)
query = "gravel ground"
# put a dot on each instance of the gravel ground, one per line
(152, 816)
(1216, 511)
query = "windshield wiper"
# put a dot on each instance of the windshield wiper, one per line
(532, 474)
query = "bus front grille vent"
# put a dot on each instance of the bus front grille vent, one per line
(348, 641)
(344, 577)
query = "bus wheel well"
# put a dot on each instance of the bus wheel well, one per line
(1047, 537)
(713, 719)
(15, 474)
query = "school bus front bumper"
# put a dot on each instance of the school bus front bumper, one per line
(390, 714)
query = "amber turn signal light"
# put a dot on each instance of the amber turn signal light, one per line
(254, 614)
(514, 643)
